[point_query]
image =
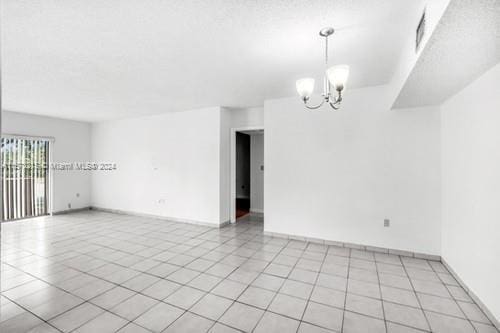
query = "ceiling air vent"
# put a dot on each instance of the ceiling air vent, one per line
(419, 34)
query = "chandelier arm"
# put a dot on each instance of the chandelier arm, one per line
(335, 104)
(313, 107)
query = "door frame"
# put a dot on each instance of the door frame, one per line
(233, 165)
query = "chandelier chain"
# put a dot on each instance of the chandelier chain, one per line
(326, 51)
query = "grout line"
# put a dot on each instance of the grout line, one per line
(494, 321)
(465, 317)
(416, 295)
(71, 293)
(276, 292)
(314, 285)
(229, 236)
(380, 291)
(347, 286)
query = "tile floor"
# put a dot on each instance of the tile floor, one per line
(100, 272)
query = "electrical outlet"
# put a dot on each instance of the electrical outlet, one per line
(161, 201)
(69, 205)
(78, 195)
(387, 223)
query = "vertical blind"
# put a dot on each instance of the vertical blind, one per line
(24, 177)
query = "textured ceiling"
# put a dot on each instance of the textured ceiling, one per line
(104, 59)
(464, 45)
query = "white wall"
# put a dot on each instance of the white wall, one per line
(225, 165)
(471, 186)
(167, 165)
(72, 144)
(256, 174)
(344, 171)
(249, 117)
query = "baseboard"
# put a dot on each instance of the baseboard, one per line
(224, 224)
(472, 295)
(160, 217)
(256, 210)
(69, 211)
(356, 246)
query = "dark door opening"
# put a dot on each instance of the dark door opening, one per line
(242, 174)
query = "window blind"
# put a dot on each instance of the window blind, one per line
(25, 173)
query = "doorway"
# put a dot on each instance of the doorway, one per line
(242, 174)
(247, 194)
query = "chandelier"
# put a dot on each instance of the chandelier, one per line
(335, 76)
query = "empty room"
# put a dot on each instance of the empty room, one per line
(250, 166)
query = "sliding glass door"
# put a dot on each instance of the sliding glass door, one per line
(25, 177)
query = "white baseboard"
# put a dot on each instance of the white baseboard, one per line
(160, 217)
(472, 295)
(69, 211)
(356, 246)
(256, 210)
